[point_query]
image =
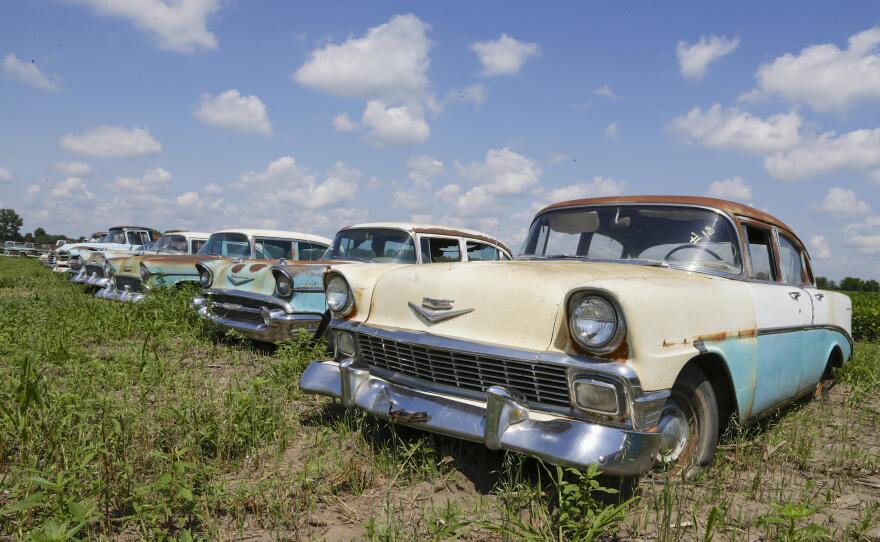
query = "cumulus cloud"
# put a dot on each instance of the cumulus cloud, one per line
(73, 168)
(174, 26)
(733, 129)
(29, 74)
(112, 141)
(188, 199)
(606, 91)
(735, 189)
(856, 150)
(611, 131)
(422, 168)
(694, 59)
(343, 123)
(824, 76)
(597, 187)
(819, 248)
(390, 63)
(399, 126)
(231, 110)
(5, 174)
(502, 173)
(294, 185)
(864, 236)
(843, 201)
(212, 189)
(504, 56)
(71, 188)
(408, 199)
(152, 181)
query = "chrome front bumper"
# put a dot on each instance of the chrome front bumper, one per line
(109, 291)
(80, 277)
(277, 325)
(502, 421)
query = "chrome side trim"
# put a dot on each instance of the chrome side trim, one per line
(500, 421)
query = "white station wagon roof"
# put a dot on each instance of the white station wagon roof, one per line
(196, 234)
(431, 229)
(281, 234)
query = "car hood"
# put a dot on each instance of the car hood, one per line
(522, 304)
(165, 264)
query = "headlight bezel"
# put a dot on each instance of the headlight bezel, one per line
(205, 271)
(347, 307)
(616, 338)
(280, 277)
(144, 272)
(108, 269)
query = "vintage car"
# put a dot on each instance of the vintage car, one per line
(102, 264)
(52, 260)
(273, 303)
(631, 332)
(71, 257)
(135, 278)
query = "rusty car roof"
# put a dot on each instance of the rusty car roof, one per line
(433, 229)
(729, 207)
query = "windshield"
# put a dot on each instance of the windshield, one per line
(114, 236)
(373, 245)
(175, 244)
(677, 236)
(234, 245)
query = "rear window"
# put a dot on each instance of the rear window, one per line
(478, 252)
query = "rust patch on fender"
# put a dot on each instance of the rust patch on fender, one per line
(237, 267)
(709, 337)
(256, 267)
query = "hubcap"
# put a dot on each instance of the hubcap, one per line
(674, 433)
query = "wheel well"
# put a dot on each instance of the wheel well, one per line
(835, 361)
(715, 369)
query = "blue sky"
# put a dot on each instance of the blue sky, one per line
(210, 113)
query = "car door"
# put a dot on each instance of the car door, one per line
(794, 272)
(781, 312)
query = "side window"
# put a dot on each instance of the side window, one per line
(436, 249)
(790, 261)
(273, 249)
(603, 247)
(480, 252)
(197, 244)
(310, 251)
(134, 238)
(760, 251)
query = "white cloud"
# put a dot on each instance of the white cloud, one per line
(73, 168)
(733, 129)
(188, 199)
(174, 25)
(824, 76)
(408, 199)
(390, 63)
(5, 174)
(606, 91)
(502, 172)
(505, 55)
(231, 110)
(422, 168)
(29, 74)
(694, 59)
(856, 150)
(112, 141)
(212, 189)
(598, 187)
(611, 131)
(735, 189)
(842, 201)
(294, 185)
(448, 192)
(864, 236)
(152, 181)
(820, 248)
(71, 188)
(394, 126)
(343, 123)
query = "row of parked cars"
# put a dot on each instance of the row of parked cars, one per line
(627, 332)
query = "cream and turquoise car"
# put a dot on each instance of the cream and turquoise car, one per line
(135, 278)
(101, 265)
(71, 257)
(627, 333)
(272, 303)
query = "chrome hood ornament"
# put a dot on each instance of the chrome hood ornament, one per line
(238, 281)
(437, 310)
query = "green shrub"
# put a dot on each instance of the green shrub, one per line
(865, 316)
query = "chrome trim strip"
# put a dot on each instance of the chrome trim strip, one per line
(278, 326)
(262, 298)
(500, 421)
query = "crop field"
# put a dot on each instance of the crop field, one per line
(135, 422)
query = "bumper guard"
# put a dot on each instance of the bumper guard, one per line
(277, 325)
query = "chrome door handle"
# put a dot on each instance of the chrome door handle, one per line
(820, 296)
(795, 295)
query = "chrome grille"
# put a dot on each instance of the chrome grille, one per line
(542, 383)
(133, 283)
(96, 270)
(240, 309)
(51, 258)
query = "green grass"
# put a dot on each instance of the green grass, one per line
(133, 421)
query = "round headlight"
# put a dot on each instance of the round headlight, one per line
(145, 273)
(204, 277)
(283, 286)
(338, 295)
(108, 269)
(593, 322)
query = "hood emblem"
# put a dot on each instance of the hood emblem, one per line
(437, 310)
(238, 281)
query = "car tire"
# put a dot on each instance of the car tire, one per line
(689, 425)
